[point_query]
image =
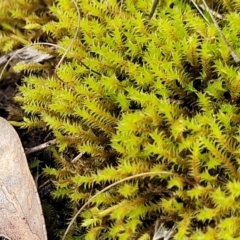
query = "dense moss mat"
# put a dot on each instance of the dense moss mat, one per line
(135, 95)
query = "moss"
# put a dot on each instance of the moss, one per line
(21, 22)
(135, 95)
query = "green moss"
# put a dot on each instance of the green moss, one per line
(21, 22)
(137, 95)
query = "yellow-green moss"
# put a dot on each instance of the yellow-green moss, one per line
(137, 95)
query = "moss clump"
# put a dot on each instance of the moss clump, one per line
(137, 95)
(21, 22)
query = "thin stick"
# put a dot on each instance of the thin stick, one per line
(77, 157)
(40, 147)
(232, 52)
(214, 13)
(41, 43)
(116, 183)
(74, 37)
(153, 9)
(199, 10)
